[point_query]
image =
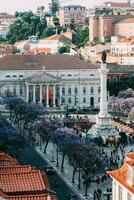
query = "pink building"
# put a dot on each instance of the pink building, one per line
(125, 28)
(103, 25)
(67, 13)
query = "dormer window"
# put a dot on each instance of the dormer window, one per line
(20, 76)
(7, 76)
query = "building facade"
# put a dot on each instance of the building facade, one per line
(125, 28)
(103, 26)
(52, 80)
(5, 21)
(123, 180)
(76, 13)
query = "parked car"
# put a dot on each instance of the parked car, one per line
(49, 170)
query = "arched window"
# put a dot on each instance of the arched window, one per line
(63, 91)
(14, 76)
(76, 90)
(69, 90)
(99, 100)
(7, 76)
(84, 99)
(91, 74)
(69, 75)
(92, 90)
(84, 90)
(69, 100)
(20, 76)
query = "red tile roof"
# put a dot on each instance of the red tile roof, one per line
(36, 62)
(118, 4)
(22, 181)
(121, 175)
(57, 37)
(6, 160)
(130, 156)
(15, 169)
(30, 197)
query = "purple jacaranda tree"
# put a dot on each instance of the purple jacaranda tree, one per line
(124, 102)
(126, 93)
(11, 140)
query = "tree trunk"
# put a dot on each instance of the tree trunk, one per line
(74, 171)
(79, 180)
(62, 164)
(45, 148)
(86, 189)
(57, 157)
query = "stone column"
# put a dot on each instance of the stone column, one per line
(34, 95)
(47, 96)
(54, 92)
(40, 94)
(60, 96)
(103, 94)
(27, 93)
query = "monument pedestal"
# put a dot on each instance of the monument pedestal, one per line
(103, 126)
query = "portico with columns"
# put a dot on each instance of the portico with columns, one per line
(45, 89)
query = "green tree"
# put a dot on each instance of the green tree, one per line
(56, 21)
(64, 49)
(54, 8)
(83, 37)
(123, 83)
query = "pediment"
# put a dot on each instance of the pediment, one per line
(42, 77)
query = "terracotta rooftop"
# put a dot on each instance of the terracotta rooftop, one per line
(15, 169)
(121, 175)
(36, 62)
(22, 181)
(118, 4)
(30, 197)
(6, 160)
(130, 155)
(56, 37)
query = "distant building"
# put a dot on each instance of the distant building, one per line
(122, 46)
(123, 180)
(71, 12)
(124, 28)
(122, 49)
(48, 45)
(5, 21)
(103, 26)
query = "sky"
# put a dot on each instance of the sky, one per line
(11, 6)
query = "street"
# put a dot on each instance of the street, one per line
(31, 157)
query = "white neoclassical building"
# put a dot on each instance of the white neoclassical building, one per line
(52, 80)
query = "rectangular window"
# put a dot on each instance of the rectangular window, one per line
(119, 193)
(129, 196)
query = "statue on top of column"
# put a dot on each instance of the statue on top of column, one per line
(104, 56)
